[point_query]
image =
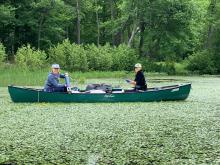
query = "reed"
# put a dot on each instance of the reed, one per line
(12, 75)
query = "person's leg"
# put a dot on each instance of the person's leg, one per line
(48, 90)
(60, 89)
(144, 88)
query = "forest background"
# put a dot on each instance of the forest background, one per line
(172, 36)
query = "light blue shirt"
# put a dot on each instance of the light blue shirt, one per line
(53, 81)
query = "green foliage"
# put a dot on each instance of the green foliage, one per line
(74, 57)
(99, 58)
(2, 53)
(71, 57)
(217, 61)
(181, 68)
(6, 14)
(202, 63)
(58, 16)
(123, 57)
(150, 66)
(169, 68)
(163, 30)
(30, 59)
(215, 37)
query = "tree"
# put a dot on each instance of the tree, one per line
(2, 53)
(211, 21)
(78, 21)
(162, 30)
(51, 17)
(97, 9)
(215, 37)
(7, 23)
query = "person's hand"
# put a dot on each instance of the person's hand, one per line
(66, 74)
(128, 81)
(75, 89)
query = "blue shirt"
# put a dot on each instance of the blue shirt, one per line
(53, 81)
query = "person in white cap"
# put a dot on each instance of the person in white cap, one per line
(52, 83)
(139, 82)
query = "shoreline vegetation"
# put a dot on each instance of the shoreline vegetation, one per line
(175, 37)
(16, 76)
(87, 58)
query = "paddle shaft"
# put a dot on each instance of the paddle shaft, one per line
(68, 84)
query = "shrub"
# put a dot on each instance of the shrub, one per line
(29, 58)
(201, 62)
(169, 68)
(70, 56)
(123, 57)
(99, 58)
(150, 66)
(2, 53)
(181, 68)
(217, 61)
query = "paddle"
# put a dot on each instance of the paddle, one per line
(68, 84)
(128, 81)
(126, 77)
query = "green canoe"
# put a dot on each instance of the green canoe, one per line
(166, 93)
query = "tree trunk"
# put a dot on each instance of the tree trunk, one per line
(118, 38)
(133, 33)
(104, 19)
(98, 27)
(67, 32)
(212, 7)
(112, 19)
(141, 43)
(13, 44)
(39, 32)
(78, 21)
(209, 37)
(129, 32)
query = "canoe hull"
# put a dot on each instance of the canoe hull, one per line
(19, 94)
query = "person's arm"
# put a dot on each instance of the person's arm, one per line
(54, 83)
(138, 78)
(130, 81)
(133, 82)
(62, 75)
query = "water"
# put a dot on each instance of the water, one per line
(177, 132)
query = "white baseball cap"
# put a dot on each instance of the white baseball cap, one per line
(138, 65)
(55, 66)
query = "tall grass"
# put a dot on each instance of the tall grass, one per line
(12, 75)
(16, 76)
